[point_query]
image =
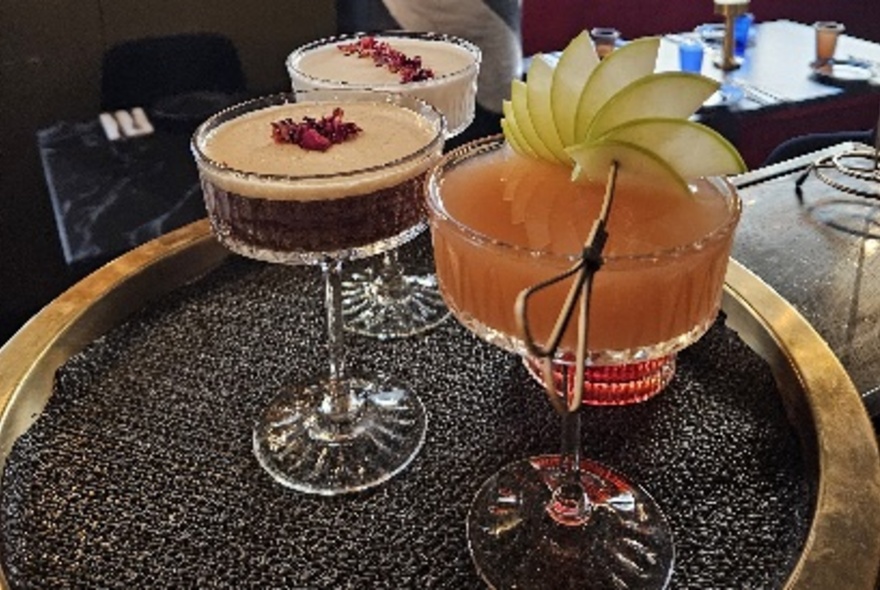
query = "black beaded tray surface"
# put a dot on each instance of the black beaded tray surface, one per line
(139, 471)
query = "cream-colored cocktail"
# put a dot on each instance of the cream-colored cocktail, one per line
(453, 64)
(386, 300)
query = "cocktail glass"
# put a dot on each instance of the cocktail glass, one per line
(564, 521)
(344, 433)
(387, 300)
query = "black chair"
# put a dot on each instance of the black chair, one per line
(355, 16)
(178, 79)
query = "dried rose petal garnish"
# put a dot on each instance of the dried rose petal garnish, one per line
(315, 134)
(383, 55)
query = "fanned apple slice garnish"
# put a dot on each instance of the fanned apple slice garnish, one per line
(575, 65)
(588, 113)
(637, 165)
(693, 149)
(512, 132)
(667, 94)
(538, 87)
(519, 102)
(621, 67)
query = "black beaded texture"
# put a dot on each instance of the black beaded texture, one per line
(140, 473)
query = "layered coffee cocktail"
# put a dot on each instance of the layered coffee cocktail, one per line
(279, 201)
(320, 178)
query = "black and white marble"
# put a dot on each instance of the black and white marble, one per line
(110, 196)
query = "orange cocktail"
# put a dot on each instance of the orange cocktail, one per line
(503, 223)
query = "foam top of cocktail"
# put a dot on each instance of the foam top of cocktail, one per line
(440, 69)
(507, 213)
(274, 184)
(387, 134)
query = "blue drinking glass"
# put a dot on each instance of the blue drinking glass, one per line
(741, 27)
(690, 53)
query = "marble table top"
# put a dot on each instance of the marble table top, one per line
(110, 196)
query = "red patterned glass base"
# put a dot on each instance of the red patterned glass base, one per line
(611, 385)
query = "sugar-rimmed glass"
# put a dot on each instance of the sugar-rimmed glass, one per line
(345, 433)
(387, 300)
(563, 520)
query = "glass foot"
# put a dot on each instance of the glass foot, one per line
(319, 442)
(611, 385)
(386, 305)
(624, 542)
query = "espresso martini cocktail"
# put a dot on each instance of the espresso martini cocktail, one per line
(319, 178)
(281, 202)
(390, 299)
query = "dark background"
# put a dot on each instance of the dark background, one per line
(50, 55)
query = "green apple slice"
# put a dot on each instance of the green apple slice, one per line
(694, 150)
(637, 166)
(539, 80)
(620, 68)
(667, 94)
(519, 102)
(575, 65)
(512, 132)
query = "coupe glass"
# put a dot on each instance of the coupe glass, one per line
(344, 433)
(564, 521)
(387, 300)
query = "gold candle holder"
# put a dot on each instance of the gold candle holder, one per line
(729, 9)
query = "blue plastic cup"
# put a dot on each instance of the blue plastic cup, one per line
(741, 27)
(690, 55)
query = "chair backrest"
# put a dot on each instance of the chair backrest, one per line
(355, 16)
(141, 71)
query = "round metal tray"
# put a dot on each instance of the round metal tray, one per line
(842, 548)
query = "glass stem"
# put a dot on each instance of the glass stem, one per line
(391, 286)
(338, 398)
(569, 504)
(390, 261)
(391, 271)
